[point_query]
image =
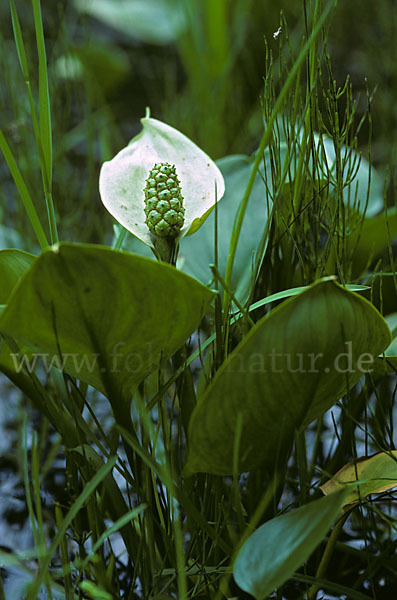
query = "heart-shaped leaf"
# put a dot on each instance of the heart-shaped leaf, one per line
(291, 367)
(109, 318)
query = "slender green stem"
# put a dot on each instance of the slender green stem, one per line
(327, 556)
(64, 556)
(185, 386)
(167, 249)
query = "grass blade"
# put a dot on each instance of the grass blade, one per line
(23, 191)
(44, 95)
(45, 119)
(76, 506)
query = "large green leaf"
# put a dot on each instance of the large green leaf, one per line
(198, 252)
(112, 316)
(291, 367)
(13, 265)
(274, 551)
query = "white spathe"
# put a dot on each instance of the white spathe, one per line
(122, 179)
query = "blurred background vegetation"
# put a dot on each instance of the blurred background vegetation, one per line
(198, 64)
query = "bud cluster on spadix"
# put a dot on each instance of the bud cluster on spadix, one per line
(163, 201)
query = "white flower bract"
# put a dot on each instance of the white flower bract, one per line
(122, 180)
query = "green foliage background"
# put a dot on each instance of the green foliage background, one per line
(213, 69)
(207, 83)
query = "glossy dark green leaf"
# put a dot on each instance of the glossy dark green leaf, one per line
(291, 367)
(198, 251)
(109, 318)
(274, 551)
(13, 265)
